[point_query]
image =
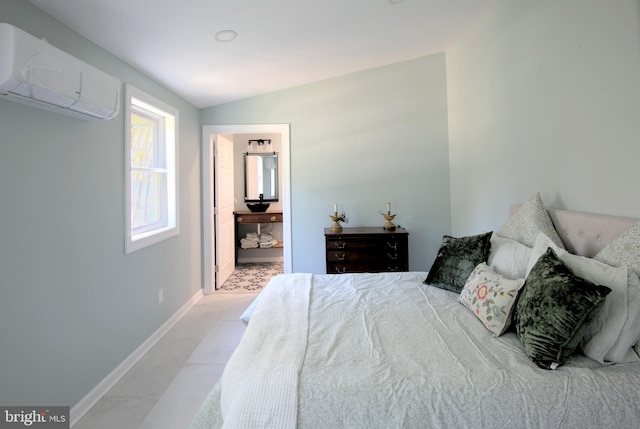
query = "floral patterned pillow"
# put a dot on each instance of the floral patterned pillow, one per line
(491, 297)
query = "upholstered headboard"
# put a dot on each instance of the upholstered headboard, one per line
(585, 234)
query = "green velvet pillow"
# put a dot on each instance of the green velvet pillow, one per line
(456, 259)
(554, 310)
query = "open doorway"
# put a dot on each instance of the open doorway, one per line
(212, 246)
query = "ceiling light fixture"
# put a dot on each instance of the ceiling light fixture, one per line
(260, 142)
(226, 35)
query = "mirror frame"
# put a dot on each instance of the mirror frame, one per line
(247, 177)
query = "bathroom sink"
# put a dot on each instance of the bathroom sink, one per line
(258, 207)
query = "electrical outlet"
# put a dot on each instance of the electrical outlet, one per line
(160, 295)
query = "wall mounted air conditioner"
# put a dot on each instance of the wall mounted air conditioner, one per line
(36, 73)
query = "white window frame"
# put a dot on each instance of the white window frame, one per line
(139, 102)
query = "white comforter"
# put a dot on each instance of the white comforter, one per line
(386, 351)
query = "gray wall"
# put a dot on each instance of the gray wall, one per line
(360, 141)
(72, 305)
(545, 96)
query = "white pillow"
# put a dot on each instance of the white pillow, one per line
(530, 219)
(623, 350)
(491, 297)
(605, 329)
(625, 251)
(508, 257)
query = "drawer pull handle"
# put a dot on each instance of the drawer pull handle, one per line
(273, 218)
(341, 270)
(393, 246)
(393, 268)
(340, 257)
(341, 245)
(392, 257)
(239, 219)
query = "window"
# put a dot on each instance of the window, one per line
(151, 188)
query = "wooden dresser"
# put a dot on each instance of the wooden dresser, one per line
(366, 249)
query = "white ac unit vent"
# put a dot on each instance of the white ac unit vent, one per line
(36, 73)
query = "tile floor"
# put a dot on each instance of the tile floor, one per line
(165, 388)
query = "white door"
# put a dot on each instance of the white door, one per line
(224, 202)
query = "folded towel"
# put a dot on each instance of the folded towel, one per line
(268, 244)
(249, 244)
(265, 238)
(254, 240)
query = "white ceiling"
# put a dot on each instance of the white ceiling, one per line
(280, 43)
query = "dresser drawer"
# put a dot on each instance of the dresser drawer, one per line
(348, 244)
(357, 243)
(366, 254)
(364, 267)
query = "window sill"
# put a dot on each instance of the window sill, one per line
(148, 238)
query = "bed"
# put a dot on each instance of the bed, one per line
(409, 350)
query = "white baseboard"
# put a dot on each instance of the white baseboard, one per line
(79, 409)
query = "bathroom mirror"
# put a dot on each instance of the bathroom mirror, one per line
(260, 176)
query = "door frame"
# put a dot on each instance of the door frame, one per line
(209, 133)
